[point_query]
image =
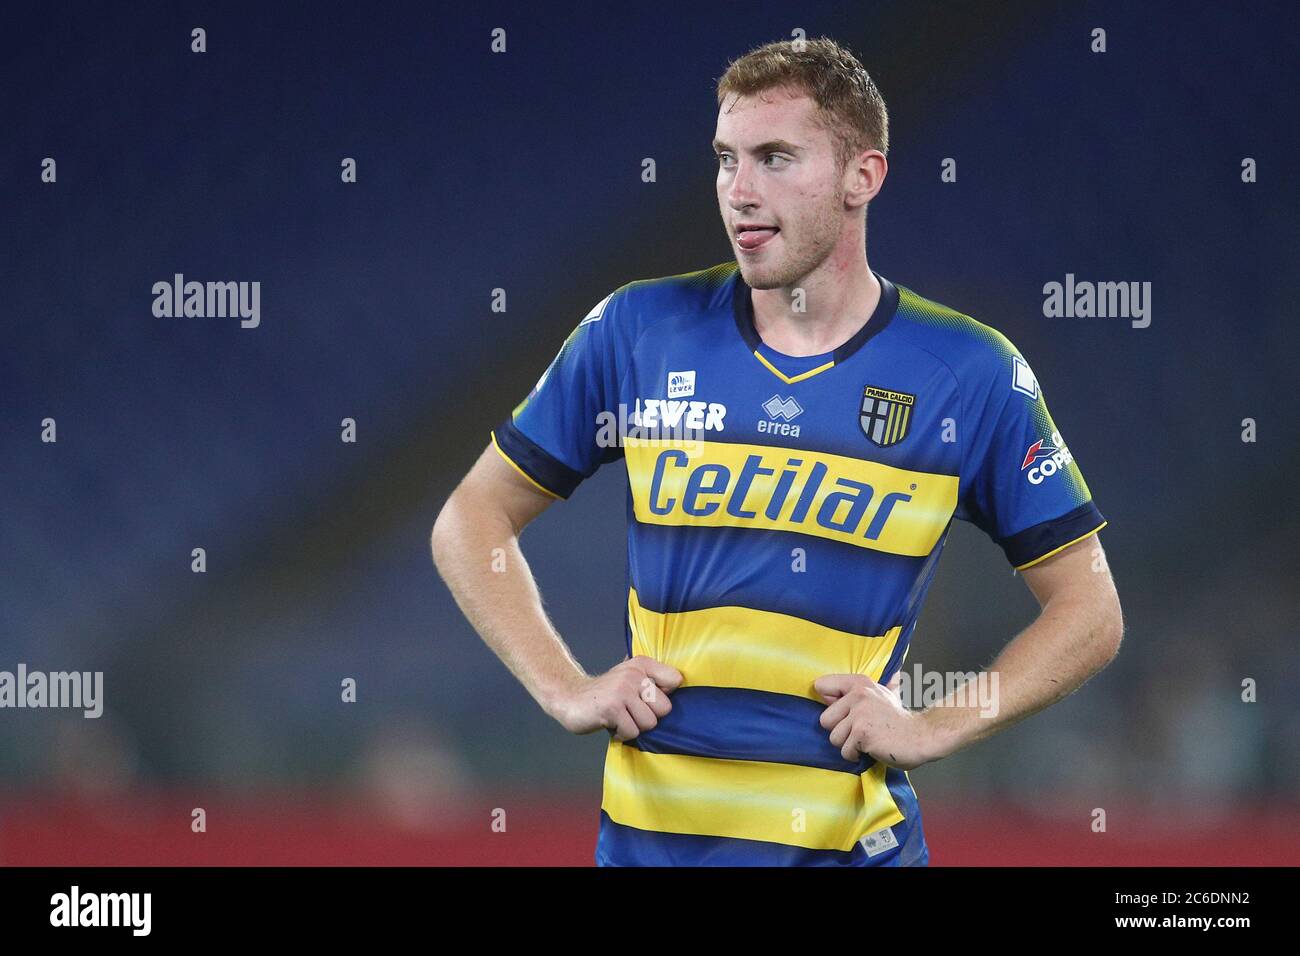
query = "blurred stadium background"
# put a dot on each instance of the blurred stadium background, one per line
(521, 171)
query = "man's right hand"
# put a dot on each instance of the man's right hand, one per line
(626, 700)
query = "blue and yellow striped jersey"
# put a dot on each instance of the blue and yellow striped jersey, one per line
(785, 518)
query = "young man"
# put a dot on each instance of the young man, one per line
(799, 432)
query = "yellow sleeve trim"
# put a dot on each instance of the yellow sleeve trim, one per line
(511, 463)
(1030, 564)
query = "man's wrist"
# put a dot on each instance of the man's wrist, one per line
(558, 688)
(946, 730)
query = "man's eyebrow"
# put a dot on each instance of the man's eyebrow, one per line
(771, 146)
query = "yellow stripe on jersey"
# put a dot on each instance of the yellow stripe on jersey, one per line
(749, 800)
(858, 502)
(757, 650)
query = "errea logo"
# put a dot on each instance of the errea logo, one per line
(1022, 377)
(878, 842)
(681, 384)
(777, 407)
(598, 311)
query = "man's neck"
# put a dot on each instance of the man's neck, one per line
(834, 308)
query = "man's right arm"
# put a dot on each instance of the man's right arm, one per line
(475, 544)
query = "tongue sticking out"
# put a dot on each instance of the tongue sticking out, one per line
(753, 238)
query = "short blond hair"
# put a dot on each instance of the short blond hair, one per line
(849, 105)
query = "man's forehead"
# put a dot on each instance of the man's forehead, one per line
(794, 112)
(782, 100)
(770, 114)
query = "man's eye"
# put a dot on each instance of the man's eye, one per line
(777, 156)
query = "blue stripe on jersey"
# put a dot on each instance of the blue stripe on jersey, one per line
(913, 850)
(739, 724)
(681, 568)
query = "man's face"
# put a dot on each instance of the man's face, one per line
(777, 169)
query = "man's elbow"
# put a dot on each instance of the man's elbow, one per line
(1109, 631)
(467, 519)
(443, 532)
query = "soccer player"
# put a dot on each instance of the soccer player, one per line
(799, 432)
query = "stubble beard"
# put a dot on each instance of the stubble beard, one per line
(793, 267)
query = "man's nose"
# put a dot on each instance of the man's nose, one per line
(741, 192)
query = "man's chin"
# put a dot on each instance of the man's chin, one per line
(761, 278)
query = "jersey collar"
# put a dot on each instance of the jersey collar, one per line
(743, 309)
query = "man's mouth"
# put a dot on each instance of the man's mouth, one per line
(749, 238)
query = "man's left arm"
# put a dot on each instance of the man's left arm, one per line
(1024, 489)
(1076, 634)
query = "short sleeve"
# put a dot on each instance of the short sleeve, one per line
(554, 436)
(1026, 490)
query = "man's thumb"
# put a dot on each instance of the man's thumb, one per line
(668, 679)
(833, 686)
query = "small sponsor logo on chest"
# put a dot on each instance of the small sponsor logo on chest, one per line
(681, 384)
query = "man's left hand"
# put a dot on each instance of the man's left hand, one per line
(868, 719)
